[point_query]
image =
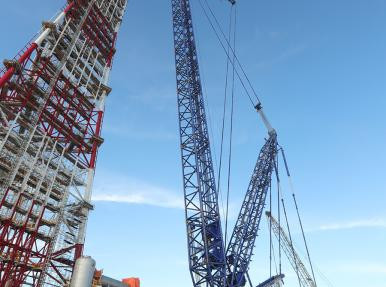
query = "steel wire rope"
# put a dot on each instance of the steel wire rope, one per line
(276, 166)
(223, 125)
(297, 212)
(326, 280)
(308, 258)
(231, 130)
(304, 257)
(223, 46)
(280, 193)
(291, 242)
(204, 92)
(273, 251)
(234, 53)
(304, 237)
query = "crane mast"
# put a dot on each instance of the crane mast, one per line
(205, 240)
(305, 279)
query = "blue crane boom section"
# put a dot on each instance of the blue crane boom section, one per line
(205, 240)
(244, 234)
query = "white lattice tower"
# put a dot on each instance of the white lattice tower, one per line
(52, 98)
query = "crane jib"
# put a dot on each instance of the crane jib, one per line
(244, 234)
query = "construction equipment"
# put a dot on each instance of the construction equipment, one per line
(209, 264)
(52, 98)
(304, 277)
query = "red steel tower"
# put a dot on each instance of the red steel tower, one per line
(52, 98)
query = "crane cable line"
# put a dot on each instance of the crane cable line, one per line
(278, 205)
(233, 52)
(231, 129)
(281, 198)
(304, 237)
(223, 125)
(271, 246)
(229, 57)
(272, 253)
(298, 214)
(290, 239)
(280, 194)
(325, 279)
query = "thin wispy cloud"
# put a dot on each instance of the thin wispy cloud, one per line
(361, 267)
(124, 131)
(121, 189)
(283, 56)
(368, 223)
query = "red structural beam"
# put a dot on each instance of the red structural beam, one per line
(11, 71)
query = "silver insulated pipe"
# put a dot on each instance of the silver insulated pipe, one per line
(83, 272)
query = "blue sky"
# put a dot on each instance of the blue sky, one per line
(320, 67)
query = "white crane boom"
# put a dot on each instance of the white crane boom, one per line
(305, 280)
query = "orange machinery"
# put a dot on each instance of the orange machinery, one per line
(132, 282)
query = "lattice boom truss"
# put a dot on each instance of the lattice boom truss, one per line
(52, 98)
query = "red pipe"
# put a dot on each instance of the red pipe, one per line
(78, 251)
(11, 71)
(69, 7)
(5, 78)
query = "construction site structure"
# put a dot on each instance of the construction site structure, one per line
(304, 277)
(52, 101)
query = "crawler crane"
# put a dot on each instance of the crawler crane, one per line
(209, 263)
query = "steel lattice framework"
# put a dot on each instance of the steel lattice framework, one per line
(205, 241)
(52, 97)
(244, 234)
